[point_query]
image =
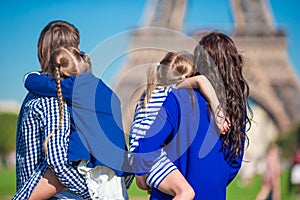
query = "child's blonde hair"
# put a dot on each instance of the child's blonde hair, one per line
(64, 62)
(172, 69)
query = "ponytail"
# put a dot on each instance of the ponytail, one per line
(152, 83)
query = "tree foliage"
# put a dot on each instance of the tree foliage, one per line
(8, 124)
(289, 142)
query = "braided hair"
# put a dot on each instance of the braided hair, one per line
(64, 62)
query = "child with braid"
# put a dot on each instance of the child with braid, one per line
(65, 63)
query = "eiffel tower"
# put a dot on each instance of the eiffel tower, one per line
(273, 83)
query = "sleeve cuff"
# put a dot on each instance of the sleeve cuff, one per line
(29, 73)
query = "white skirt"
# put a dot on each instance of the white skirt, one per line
(103, 183)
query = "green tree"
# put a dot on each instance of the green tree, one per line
(289, 141)
(8, 124)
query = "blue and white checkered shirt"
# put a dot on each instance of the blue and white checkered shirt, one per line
(39, 116)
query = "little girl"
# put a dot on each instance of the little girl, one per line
(65, 63)
(169, 74)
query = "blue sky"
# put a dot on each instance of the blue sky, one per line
(22, 21)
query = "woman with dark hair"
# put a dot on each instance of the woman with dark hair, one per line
(217, 57)
(186, 130)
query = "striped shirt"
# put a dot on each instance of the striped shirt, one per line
(38, 117)
(143, 119)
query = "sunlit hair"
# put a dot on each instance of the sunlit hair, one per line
(217, 58)
(172, 69)
(56, 34)
(64, 62)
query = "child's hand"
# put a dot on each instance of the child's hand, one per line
(222, 122)
(141, 182)
(226, 126)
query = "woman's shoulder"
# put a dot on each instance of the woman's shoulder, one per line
(183, 95)
(187, 92)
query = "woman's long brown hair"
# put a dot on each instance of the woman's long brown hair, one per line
(216, 57)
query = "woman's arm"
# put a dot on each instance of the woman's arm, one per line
(162, 131)
(203, 84)
(58, 148)
(149, 148)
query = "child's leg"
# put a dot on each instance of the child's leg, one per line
(47, 187)
(176, 185)
(165, 176)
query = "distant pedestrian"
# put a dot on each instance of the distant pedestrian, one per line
(271, 176)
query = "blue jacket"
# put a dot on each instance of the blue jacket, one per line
(185, 130)
(97, 133)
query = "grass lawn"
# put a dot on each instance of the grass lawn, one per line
(234, 191)
(249, 192)
(134, 191)
(7, 183)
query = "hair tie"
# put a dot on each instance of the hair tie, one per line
(57, 65)
(82, 55)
